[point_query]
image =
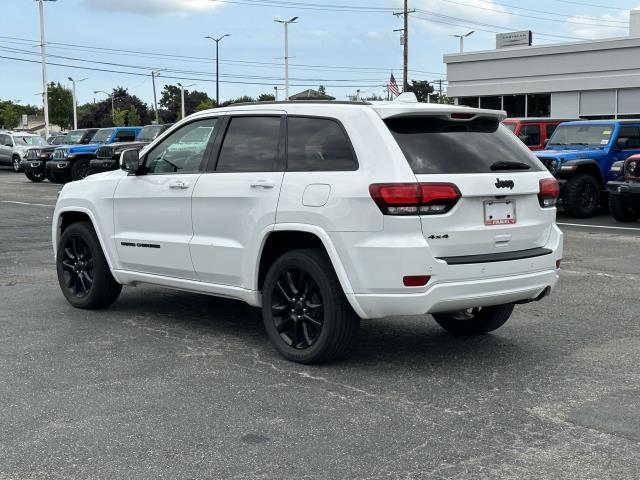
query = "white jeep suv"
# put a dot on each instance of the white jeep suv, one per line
(322, 213)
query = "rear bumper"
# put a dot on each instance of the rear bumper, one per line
(452, 296)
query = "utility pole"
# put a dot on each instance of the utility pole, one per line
(182, 87)
(43, 55)
(275, 90)
(440, 91)
(286, 53)
(405, 43)
(154, 74)
(75, 100)
(217, 40)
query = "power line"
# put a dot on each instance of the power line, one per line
(248, 63)
(565, 20)
(584, 4)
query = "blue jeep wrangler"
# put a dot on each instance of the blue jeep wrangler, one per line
(74, 162)
(580, 156)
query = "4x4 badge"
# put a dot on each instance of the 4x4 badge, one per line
(504, 183)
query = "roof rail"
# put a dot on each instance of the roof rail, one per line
(290, 102)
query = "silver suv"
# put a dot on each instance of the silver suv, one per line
(14, 145)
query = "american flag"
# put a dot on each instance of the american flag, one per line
(393, 86)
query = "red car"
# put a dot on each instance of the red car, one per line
(534, 132)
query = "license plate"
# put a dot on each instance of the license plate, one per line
(500, 212)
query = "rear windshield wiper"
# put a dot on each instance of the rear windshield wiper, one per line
(510, 166)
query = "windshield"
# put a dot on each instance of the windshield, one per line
(510, 126)
(149, 133)
(73, 137)
(435, 145)
(102, 135)
(31, 140)
(59, 140)
(582, 135)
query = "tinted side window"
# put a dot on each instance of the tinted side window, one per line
(3, 140)
(530, 134)
(183, 150)
(551, 127)
(125, 136)
(318, 144)
(251, 145)
(631, 135)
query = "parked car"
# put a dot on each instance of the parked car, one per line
(75, 161)
(581, 154)
(108, 156)
(624, 193)
(34, 163)
(56, 136)
(321, 214)
(13, 146)
(534, 132)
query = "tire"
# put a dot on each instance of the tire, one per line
(35, 177)
(622, 210)
(581, 196)
(475, 321)
(81, 168)
(55, 177)
(83, 272)
(15, 164)
(317, 326)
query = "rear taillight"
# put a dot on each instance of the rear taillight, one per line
(414, 198)
(549, 192)
(416, 280)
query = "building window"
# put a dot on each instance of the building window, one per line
(539, 105)
(468, 101)
(514, 105)
(492, 103)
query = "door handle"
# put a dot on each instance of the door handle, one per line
(179, 184)
(262, 184)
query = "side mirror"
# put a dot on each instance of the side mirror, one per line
(130, 161)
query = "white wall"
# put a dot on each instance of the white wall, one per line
(565, 105)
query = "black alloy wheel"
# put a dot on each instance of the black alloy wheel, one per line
(297, 308)
(81, 169)
(77, 266)
(587, 197)
(36, 177)
(306, 314)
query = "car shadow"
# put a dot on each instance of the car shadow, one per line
(417, 341)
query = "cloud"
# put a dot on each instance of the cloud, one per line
(483, 11)
(603, 29)
(154, 7)
(319, 33)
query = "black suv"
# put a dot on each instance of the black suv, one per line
(108, 156)
(624, 192)
(34, 164)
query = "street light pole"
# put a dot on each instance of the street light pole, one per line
(154, 74)
(462, 37)
(182, 87)
(113, 110)
(75, 100)
(45, 96)
(286, 53)
(217, 40)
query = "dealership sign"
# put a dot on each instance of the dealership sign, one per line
(512, 39)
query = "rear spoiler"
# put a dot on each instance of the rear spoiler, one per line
(406, 105)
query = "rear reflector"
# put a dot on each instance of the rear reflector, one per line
(549, 192)
(416, 280)
(414, 198)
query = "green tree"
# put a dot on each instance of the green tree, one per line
(205, 105)
(266, 97)
(60, 105)
(422, 89)
(134, 116)
(171, 102)
(9, 116)
(98, 115)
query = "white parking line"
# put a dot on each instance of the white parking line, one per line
(598, 226)
(25, 203)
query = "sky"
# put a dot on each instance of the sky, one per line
(345, 45)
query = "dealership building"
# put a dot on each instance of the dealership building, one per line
(587, 79)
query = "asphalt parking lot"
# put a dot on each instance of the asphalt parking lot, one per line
(174, 385)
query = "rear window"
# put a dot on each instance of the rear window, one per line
(434, 145)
